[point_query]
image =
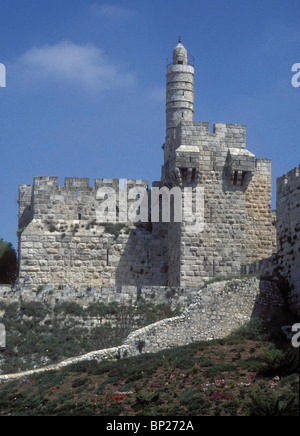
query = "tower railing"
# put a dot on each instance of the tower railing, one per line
(191, 61)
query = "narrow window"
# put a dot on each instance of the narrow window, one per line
(76, 192)
(235, 178)
(243, 178)
(183, 172)
(194, 175)
(79, 217)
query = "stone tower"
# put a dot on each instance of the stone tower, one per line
(237, 188)
(180, 89)
(62, 240)
(179, 94)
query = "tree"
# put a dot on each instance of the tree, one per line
(8, 263)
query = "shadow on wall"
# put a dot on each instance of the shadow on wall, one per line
(270, 301)
(143, 261)
(234, 180)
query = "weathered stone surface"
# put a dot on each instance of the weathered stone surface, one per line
(288, 228)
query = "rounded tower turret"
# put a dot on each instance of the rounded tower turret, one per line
(180, 89)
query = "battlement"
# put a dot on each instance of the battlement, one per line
(289, 181)
(51, 183)
(75, 200)
(230, 135)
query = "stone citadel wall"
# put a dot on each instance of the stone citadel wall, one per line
(288, 227)
(237, 208)
(62, 242)
(285, 263)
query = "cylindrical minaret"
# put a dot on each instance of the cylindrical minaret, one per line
(180, 89)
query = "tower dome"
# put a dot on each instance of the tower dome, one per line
(180, 55)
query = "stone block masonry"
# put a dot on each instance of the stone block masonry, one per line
(260, 219)
(219, 309)
(84, 295)
(284, 264)
(288, 229)
(237, 209)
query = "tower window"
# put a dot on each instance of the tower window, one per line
(235, 178)
(194, 175)
(243, 178)
(79, 217)
(180, 62)
(183, 173)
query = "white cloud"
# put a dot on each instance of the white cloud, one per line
(111, 11)
(80, 65)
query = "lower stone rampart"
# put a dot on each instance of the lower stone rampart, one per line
(218, 309)
(84, 295)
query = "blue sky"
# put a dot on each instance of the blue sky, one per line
(85, 93)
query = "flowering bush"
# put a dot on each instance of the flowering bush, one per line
(220, 395)
(118, 399)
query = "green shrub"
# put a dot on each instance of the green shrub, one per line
(106, 382)
(8, 263)
(148, 397)
(33, 309)
(79, 382)
(278, 363)
(114, 228)
(68, 308)
(217, 370)
(253, 330)
(284, 405)
(195, 402)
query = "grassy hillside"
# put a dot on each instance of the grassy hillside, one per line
(246, 374)
(38, 334)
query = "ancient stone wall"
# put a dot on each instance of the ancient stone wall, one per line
(260, 219)
(237, 191)
(62, 241)
(75, 253)
(219, 309)
(174, 297)
(288, 230)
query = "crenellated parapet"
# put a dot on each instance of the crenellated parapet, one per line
(76, 200)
